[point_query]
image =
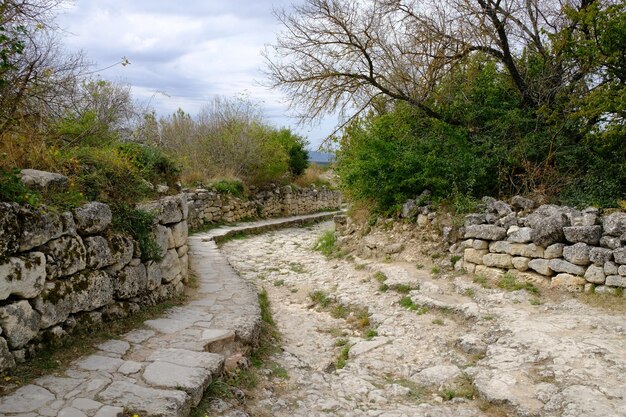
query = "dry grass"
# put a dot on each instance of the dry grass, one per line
(314, 175)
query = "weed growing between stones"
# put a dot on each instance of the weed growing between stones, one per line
(326, 243)
(463, 387)
(343, 357)
(408, 303)
(297, 267)
(508, 282)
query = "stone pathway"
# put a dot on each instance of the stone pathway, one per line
(163, 368)
(452, 349)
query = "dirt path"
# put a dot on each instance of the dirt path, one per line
(392, 339)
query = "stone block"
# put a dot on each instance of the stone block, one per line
(498, 260)
(469, 267)
(180, 233)
(130, 281)
(583, 234)
(541, 266)
(490, 273)
(38, 227)
(616, 281)
(163, 238)
(599, 256)
(622, 270)
(84, 291)
(22, 276)
(619, 255)
(99, 254)
(485, 232)
(521, 263)
(517, 234)
(64, 256)
(560, 265)
(154, 275)
(610, 268)
(7, 361)
(479, 244)
(527, 250)
(500, 246)
(170, 266)
(615, 224)
(25, 400)
(610, 242)
(92, 218)
(168, 375)
(595, 275)
(568, 282)
(554, 251)
(521, 203)
(547, 230)
(20, 323)
(475, 219)
(474, 256)
(150, 401)
(577, 254)
(43, 180)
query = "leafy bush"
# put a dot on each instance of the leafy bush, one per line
(233, 187)
(12, 189)
(151, 162)
(138, 224)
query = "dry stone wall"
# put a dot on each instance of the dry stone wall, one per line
(555, 245)
(60, 272)
(209, 206)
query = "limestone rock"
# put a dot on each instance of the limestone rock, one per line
(38, 227)
(393, 248)
(472, 344)
(547, 230)
(64, 256)
(167, 210)
(122, 249)
(131, 281)
(20, 323)
(595, 275)
(485, 232)
(577, 254)
(500, 246)
(409, 209)
(620, 256)
(170, 266)
(517, 234)
(542, 266)
(26, 399)
(560, 265)
(10, 229)
(23, 276)
(615, 224)
(616, 281)
(210, 361)
(554, 251)
(498, 260)
(521, 203)
(474, 256)
(479, 244)
(568, 282)
(151, 401)
(43, 180)
(438, 375)
(154, 275)
(84, 291)
(521, 263)
(7, 361)
(585, 234)
(98, 252)
(527, 250)
(610, 268)
(475, 219)
(168, 375)
(179, 234)
(599, 256)
(610, 242)
(92, 217)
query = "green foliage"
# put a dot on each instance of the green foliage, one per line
(151, 162)
(232, 187)
(326, 243)
(12, 189)
(138, 224)
(509, 283)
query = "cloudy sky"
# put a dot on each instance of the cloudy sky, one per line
(182, 53)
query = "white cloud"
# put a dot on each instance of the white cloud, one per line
(183, 53)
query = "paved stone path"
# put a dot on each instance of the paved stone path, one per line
(456, 349)
(163, 368)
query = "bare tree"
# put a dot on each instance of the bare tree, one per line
(343, 55)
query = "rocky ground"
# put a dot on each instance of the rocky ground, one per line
(401, 338)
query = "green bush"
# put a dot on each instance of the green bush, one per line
(12, 189)
(232, 187)
(151, 162)
(138, 224)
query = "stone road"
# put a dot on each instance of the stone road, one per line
(454, 347)
(163, 368)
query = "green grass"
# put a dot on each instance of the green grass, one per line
(326, 243)
(402, 288)
(341, 342)
(463, 387)
(380, 277)
(320, 298)
(371, 333)
(383, 287)
(297, 267)
(435, 270)
(508, 282)
(279, 282)
(342, 359)
(408, 303)
(470, 292)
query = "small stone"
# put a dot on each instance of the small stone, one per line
(118, 347)
(541, 266)
(7, 360)
(485, 232)
(99, 363)
(38, 227)
(20, 323)
(519, 234)
(577, 254)
(520, 203)
(585, 234)
(168, 375)
(620, 256)
(610, 268)
(498, 260)
(130, 367)
(480, 244)
(92, 217)
(42, 180)
(554, 251)
(599, 256)
(615, 224)
(559, 265)
(610, 242)
(472, 344)
(568, 282)
(23, 276)
(26, 399)
(603, 289)
(474, 219)
(547, 230)
(616, 281)
(595, 275)
(474, 256)
(521, 263)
